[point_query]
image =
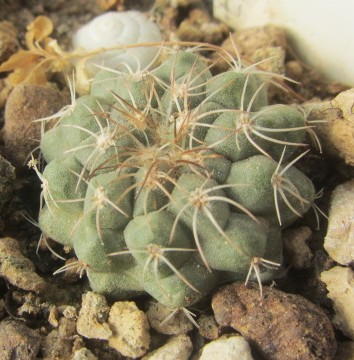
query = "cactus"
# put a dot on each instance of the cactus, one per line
(170, 181)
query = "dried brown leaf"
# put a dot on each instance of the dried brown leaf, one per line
(38, 30)
(18, 60)
(43, 56)
(30, 74)
(108, 4)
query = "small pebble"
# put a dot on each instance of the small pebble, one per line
(27, 102)
(84, 354)
(17, 341)
(59, 342)
(339, 241)
(344, 101)
(130, 329)
(70, 312)
(178, 347)
(227, 348)
(168, 321)
(208, 327)
(336, 131)
(271, 59)
(279, 325)
(53, 316)
(200, 27)
(260, 43)
(17, 269)
(340, 284)
(92, 318)
(343, 130)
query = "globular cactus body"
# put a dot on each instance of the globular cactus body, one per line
(170, 181)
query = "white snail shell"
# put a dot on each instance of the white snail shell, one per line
(118, 28)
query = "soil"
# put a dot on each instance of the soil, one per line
(49, 330)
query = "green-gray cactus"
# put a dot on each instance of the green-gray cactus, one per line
(170, 181)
